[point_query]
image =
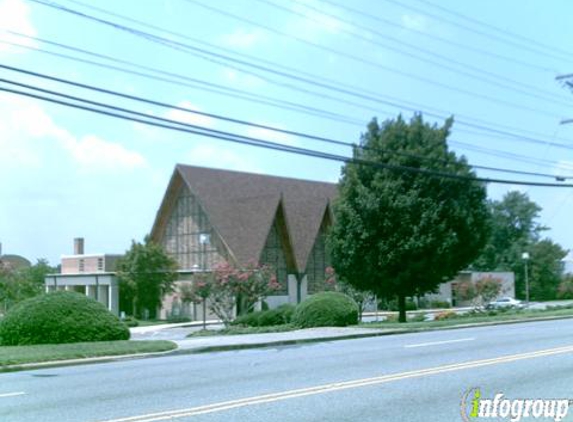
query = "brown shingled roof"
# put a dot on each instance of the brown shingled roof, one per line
(242, 207)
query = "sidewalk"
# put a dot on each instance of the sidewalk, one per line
(247, 341)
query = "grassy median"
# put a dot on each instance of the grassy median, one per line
(476, 318)
(18, 355)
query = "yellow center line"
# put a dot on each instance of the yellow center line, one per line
(337, 386)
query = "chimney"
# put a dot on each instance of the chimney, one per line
(79, 246)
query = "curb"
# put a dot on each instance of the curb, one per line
(225, 348)
(83, 361)
(230, 347)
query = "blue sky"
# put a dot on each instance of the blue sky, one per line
(67, 173)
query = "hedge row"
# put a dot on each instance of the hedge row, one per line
(327, 309)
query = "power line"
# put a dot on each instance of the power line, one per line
(370, 62)
(514, 35)
(183, 127)
(477, 72)
(387, 100)
(527, 47)
(503, 136)
(360, 123)
(410, 107)
(464, 47)
(178, 45)
(191, 82)
(225, 118)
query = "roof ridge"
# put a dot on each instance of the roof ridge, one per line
(247, 173)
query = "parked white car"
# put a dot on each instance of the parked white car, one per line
(505, 303)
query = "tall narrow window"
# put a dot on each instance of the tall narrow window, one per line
(81, 265)
(189, 237)
(100, 264)
(317, 263)
(273, 254)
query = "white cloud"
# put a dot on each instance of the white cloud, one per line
(25, 128)
(415, 22)
(243, 38)
(15, 16)
(221, 157)
(94, 152)
(189, 118)
(242, 79)
(563, 168)
(315, 24)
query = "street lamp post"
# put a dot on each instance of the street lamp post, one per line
(204, 240)
(525, 257)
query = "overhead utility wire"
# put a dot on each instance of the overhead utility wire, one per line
(474, 72)
(370, 62)
(242, 122)
(178, 126)
(489, 126)
(358, 122)
(201, 85)
(270, 63)
(515, 35)
(426, 34)
(522, 46)
(177, 45)
(392, 102)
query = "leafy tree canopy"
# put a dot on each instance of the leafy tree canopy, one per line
(146, 274)
(17, 284)
(514, 230)
(400, 232)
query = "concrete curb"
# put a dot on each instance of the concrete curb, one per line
(276, 343)
(82, 361)
(230, 347)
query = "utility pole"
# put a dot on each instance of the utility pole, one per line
(567, 81)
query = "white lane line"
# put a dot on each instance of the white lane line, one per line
(436, 343)
(338, 386)
(16, 393)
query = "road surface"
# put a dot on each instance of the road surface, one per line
(409, 377)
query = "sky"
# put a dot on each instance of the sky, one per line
(309, 66)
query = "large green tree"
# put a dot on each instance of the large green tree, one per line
(399, 232)
(545, 269)
(515, 229)
(146, 273)
(17, 284)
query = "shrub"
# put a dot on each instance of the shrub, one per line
(417, 318)
(440, 304)
(60, 317)
(178, 319)
(392, 305)
(327, 309)
(278, 316)
(249, 320)
(445, 315)
(130, 321)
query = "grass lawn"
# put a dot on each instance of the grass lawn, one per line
(458, 320)
(17, 355)
(473, 319)
(234, 330)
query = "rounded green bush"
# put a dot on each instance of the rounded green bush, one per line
(278, 316)
(60, 317)
(327, 309)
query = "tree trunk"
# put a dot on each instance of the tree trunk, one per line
(204, 314)
(401, 308)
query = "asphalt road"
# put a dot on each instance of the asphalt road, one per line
(410, 377)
